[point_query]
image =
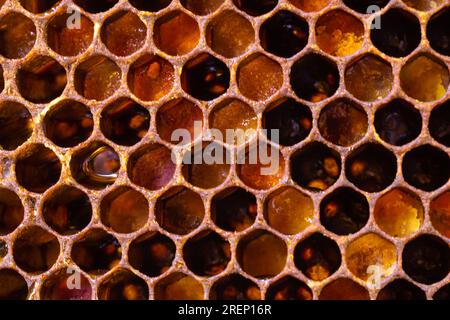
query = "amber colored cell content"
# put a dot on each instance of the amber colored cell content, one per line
(17, 34)
(11, 211)
(310, 6)
(202, 7)
(123, 285)
(235, 287)
(343, 289)
(440, 213)
(61, 285)
(289, 288)
(16, 125)
(178, 286)
(423, 5)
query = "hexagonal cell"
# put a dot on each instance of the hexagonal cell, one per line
(398, 122)
(426, 167)
(150, 77)
(207, 253)
(95, 166)
(97, 78)
(288, 210)
(343, 122)
(17, 125)
(310, 6)
(96, 251)
(256, 7)
(261, 254)
(317, 257)
(205, 77)
(151, 6)
(440, 213)
(234, 209)
(234, 287)
(236, 115)
(41, 79)
(399, 34)
(125, 122)
(206, 166)
(369, 78)
(218, 34)
(68, 123)
(401, 289)
(35, 250)
(366, 6)
(123, 285)
(399, 212)
(315, 167)
(371, 253)
(38, 6)
(37, 168)
(443, 293)
(11, 211)
(343, 289)
(124, 210)
(151, 166)
(176, 33)
(426, 259)
(61, 285)
(344, 211)
(96, 6)
(260, 165)
(66, 40)
(423, 5)
(179, 114)
(424, 78)
(67, 210)
(289, 288)
(339, 33)
(179, 210)
(284, 34)
(18, 35)
(436, 31)
(14, 286)
(123, 33)
(151, 253)
(439, 124)
(293, 121)
(371, 167)
(259, 77)
(202, 7)
(178, 286)
(314, 77)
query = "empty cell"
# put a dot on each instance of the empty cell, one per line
(440, 213)
(124, 210)
(123, 33)
(151, 6)
(179, 210)
(261, 254)
(366, 6)
(16, 125)
(259, 77)
(97, 78)
(401, 289)
(222, 26)
(17, 34)
(39, 6)
(343, 289)
(14, 286)
(11, 211)
(288, 288)
(123, 285)
(438, 31)
(176, 33)
(310, 6)
(96, 6)
(68, 123)
(59, 286)
(202, 7)
(339, 33)
(234, 287)
(178, 286)
(67, 210)
(150, 77)
(439, 124)
(151, 253)
(256, 7)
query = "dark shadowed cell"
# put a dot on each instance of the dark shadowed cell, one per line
(401, 289)
(235, 287)
(438, 31)
(439, 124)
(256, 7)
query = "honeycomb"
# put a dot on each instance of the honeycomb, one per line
(89, 194)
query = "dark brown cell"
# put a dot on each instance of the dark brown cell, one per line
(371, 167)
(38, 6)
(437, 31)
(65, 285)
(426, 167)
(401, 289)
(14, 286)
(205, 77)
(151, 253)
(439, 124)
(426, 259)
(96, 6)
(202, 7)
(123, 285)
(16, 125)
(125, 122)
(11, 211)
(398, 122)
(234, 287)
(67, 210)
(207, 253)
(68, 123)
(256, 7)
(315, 167)
(96, 252)
(17, 34)
(317, 256)
(343, 289)
(151, 6)
(178, 286)
(37, 168)
(35, 250)
(289, 288)
(234, 209)
(365, 6)
(443, 293)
